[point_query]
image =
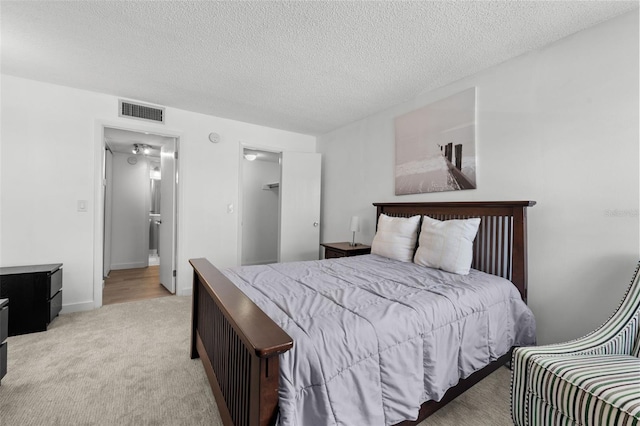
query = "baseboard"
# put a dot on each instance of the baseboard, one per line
(185, 291)
(261, 262)
(78, 307)
(132, 265)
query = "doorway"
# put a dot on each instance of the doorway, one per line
(139, 215)
(280, 206)
(260, 206)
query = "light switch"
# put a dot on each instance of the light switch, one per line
(82, 205)
(229, 208)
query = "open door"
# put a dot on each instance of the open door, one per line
(167, 232)
(299, 207)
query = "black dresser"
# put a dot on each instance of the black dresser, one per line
(4, 333)
(35, 296)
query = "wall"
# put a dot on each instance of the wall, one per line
(130, 212)
(260, 212)
(558, 126)
(51, 158)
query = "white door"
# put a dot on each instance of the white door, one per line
(299, 207)
(167, 232)
(107, 184)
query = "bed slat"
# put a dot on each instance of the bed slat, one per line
(226, 350)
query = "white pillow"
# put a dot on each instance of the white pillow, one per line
(396, 237)
(447, 245)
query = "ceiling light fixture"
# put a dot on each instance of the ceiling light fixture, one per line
(250, 157)
(137, 147)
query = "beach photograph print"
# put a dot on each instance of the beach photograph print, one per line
(436, 146)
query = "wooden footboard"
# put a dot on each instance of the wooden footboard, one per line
(239, 346)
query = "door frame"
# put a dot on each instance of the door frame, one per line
(99, 193)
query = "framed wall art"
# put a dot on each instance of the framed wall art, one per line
(436, 146)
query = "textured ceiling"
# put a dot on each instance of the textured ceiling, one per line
(308, 67)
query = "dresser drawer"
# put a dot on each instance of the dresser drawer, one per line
(55, 306)
(55, 283)
(332, 254)
(4, 323)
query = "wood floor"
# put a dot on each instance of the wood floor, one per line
(127, 285)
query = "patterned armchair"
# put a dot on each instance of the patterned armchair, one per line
(594, 380)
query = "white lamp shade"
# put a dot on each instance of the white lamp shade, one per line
(355, 224)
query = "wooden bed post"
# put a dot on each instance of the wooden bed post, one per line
(519, 271)
(194, 317)
(268, 375)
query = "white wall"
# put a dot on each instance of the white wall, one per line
(558, 126)
(130, 212)
(260, 212)
(50, 150)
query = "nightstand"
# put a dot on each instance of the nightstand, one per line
(333, 250)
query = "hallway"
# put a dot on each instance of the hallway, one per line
(127, 285)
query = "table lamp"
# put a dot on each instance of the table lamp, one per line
(355, 227)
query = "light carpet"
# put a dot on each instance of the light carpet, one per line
(128, 364)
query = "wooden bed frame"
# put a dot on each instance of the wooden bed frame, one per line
(239, 344)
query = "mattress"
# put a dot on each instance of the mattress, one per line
(374, 338)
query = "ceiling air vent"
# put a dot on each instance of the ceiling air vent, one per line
(140, 111)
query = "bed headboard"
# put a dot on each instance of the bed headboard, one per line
(500, 248)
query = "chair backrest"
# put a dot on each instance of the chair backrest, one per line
(628, 315)
(621, 332)
(634, 291)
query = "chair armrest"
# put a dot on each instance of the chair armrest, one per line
(610, 339)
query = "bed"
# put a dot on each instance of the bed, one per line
(241, 347)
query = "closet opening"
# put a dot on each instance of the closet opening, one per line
(279, 206)
(260, 206)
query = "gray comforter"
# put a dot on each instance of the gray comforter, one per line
(374, 338)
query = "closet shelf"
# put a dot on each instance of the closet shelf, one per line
(272, 185)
